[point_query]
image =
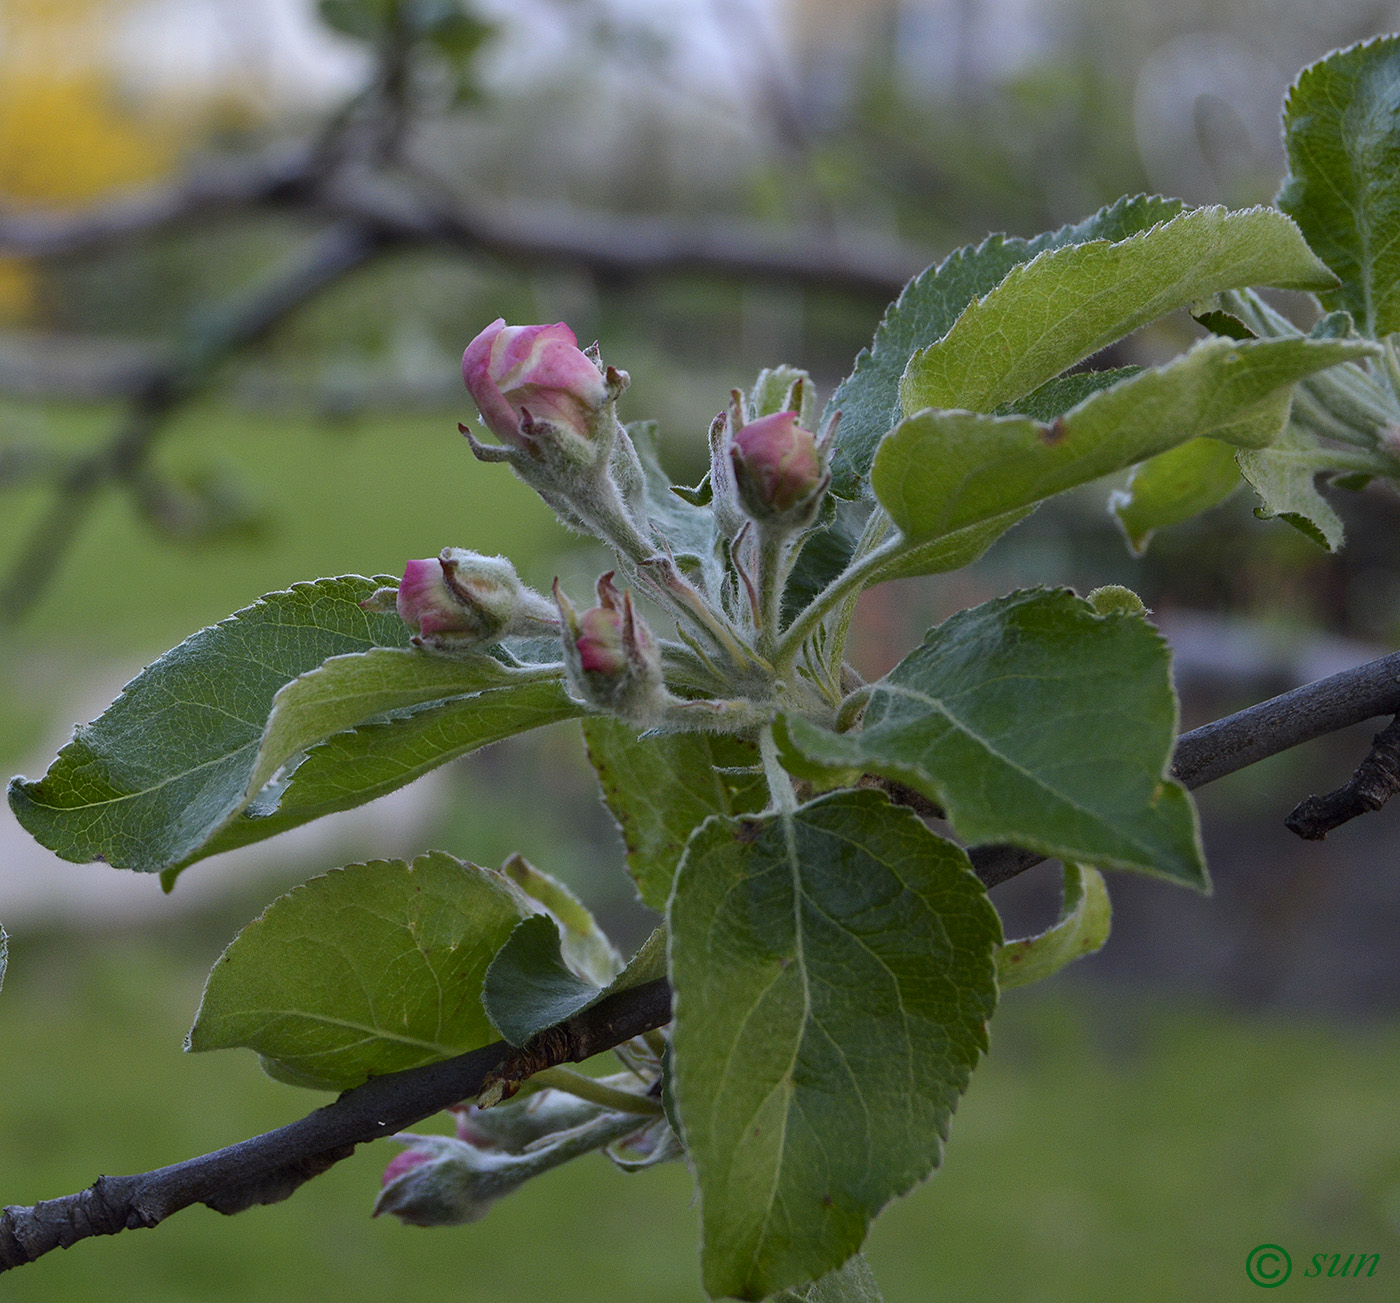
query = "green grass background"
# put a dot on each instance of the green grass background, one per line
(1110, 1149)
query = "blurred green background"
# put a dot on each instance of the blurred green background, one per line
(1222, 1074)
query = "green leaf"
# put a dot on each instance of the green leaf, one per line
(939, 471)
(659, 789)
(834, 977)
(586, 947)
(1067, 303)
(348, 690)
(1283, 476)
(170, 760)
(529, 986)
(1082, 928)
(1032, 720)
(950, 551)
(1174, 486)
(1055, 397)
(380, 756)
(868, 399)
(852, 1283)
(1341, 127)
(369, 969)
(216, 744)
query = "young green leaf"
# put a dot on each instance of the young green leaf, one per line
(868, 399)
(347, 690)
(369, 969)
(659, 789)
(1067, 303)
(939, 471)
(1284, 477)
(170, 759)
(586, 948)
(1341, 127)
(1082, 928)
(203, 750)
(687, 529)
(852, 1283)
(834, 976)
(1055, 397)
(1174, 486)
(530, 986)
(1035, 721)
(382, 755)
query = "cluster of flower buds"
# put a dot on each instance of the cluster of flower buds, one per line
(461, 600)
(612, 658)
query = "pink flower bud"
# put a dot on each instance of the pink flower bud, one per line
(460, 600)
(524, 376)
(612, 658)
(443, 1181)
(778, 466)
(600, 649)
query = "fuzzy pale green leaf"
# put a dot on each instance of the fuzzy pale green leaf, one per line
(659, 789)
(1065, 304)
(940, 471)
(1033, 720)
(1174, 486)
(380, 756)
(1341, 127)
(1082, 928)
(834, 975)
(369, 969)
(868, 399)
(347, 690)
(1284, 476)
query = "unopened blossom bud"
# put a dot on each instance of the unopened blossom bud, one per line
(613, 661)
(443, 1181)
(534, 385)
(779, 470)
(447, 1180)
(460, 600)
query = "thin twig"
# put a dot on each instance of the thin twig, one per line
(1375, 781)
(270, 1167)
